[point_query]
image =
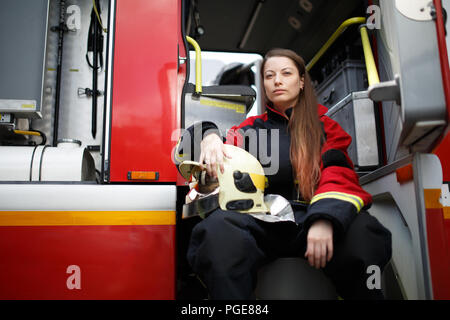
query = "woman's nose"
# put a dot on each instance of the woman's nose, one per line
(277, 79)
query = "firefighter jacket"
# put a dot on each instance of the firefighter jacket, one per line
(338, 196)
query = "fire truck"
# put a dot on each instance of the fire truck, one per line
(94, 96)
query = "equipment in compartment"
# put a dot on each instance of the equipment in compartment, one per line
(95, 45)
(356, 115)
(61, 28)
(349, 77)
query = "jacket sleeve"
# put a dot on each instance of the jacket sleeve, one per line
(339, 196)
(188, 146)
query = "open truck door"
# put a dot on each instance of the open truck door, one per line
(90, 199)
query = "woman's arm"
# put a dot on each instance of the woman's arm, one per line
(339, 196)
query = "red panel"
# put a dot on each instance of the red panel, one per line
(145, 104)
(438, 248)
(443, 152)
(443, 53)
(116, 262)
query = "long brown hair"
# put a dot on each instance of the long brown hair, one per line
(305, 128)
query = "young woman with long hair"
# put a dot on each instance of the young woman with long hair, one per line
(333, 230)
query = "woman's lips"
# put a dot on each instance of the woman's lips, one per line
(278, 91)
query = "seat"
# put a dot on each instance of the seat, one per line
(293, 279)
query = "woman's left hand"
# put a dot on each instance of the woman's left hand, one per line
(320, 243)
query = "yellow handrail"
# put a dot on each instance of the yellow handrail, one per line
(198, 65)
(31, 133)
(371, 67)
(330, 41)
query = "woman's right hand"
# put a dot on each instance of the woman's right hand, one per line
(212, 152)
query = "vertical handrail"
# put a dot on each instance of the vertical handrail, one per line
(332, 39)
(371, 67)
(198, 65)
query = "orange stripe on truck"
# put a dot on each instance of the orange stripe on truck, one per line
(432, 198)
(86, 218)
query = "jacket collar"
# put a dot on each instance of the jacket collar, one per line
(276, 115)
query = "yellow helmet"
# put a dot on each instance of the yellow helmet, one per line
(242, 183)
(241, 186)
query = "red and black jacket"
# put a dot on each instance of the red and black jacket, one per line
(338, 197)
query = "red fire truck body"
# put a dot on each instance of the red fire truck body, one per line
(120, 236)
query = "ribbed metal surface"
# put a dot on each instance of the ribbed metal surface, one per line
(75, 111)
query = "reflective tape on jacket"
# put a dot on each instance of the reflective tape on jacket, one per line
(355, 200)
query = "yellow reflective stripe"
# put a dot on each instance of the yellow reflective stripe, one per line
(86, 218)
(259, 181)
(355, 200)
(432, 197)
(239, 108)
(446, 212)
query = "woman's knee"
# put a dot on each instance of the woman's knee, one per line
(220, 224)
(368, 241)
(221, 239)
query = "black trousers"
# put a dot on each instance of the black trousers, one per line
(227, 248)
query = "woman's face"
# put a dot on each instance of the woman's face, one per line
(282, 82)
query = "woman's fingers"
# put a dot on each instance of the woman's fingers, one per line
(317, 255)
(329, 250)
(323, 255)
(211, 153)
(224, 151)
(310, 253)
(319, 244)
(213, 165)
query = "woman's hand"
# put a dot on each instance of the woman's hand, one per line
(212, 153)
(320, 243)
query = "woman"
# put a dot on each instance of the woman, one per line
(333, 232)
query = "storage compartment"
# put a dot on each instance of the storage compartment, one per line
(356, 115)
(349, 77)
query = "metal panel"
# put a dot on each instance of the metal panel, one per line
(355, 114)
(86, 197)
(118, 258)
(145, 107)
(401, 208)
(75, 111)
(116, 262)
(413, 55)
(23, 35)
(224, 113)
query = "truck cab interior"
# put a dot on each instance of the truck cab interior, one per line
(366, 82)
(254, 27)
